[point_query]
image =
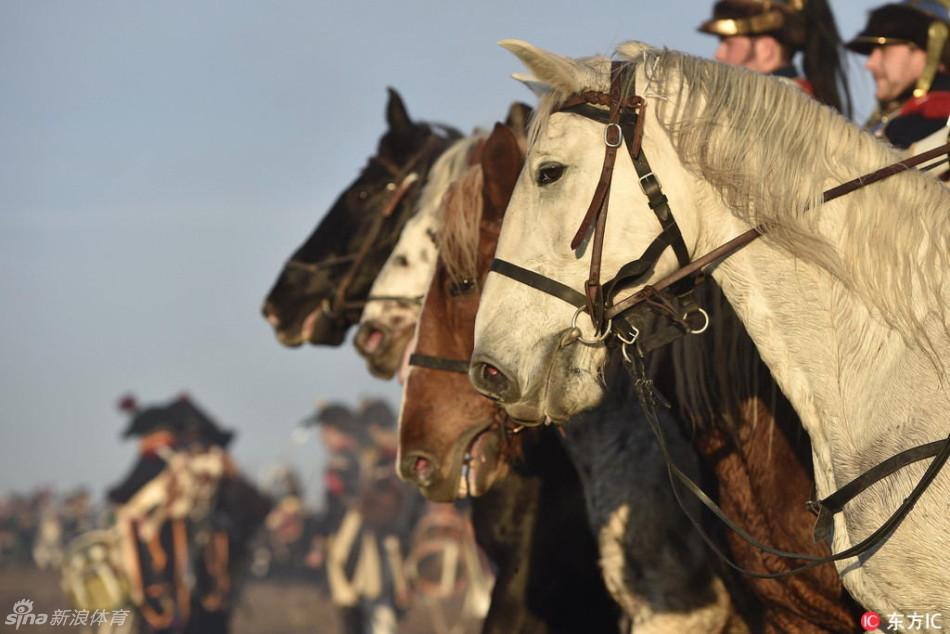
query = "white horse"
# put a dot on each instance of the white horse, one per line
(389, 319)
(847, 301)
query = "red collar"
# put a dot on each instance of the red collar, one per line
(933, 105)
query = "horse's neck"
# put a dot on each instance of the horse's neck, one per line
(833, 359)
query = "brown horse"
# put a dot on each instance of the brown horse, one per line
(545, 581)
(455, 442)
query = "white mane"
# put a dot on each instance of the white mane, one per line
(893, 255)
(445, 170)
(407, 271)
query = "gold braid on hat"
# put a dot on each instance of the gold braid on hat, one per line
(771, 18)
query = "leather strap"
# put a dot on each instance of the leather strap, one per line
(439, 363)
(650, 398)
(835, 502)
(538, 281)
(744, 238)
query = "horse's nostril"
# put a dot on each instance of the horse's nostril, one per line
(270, 313)
(492, 382)
(418, 469)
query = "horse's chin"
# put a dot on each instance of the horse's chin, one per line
(289, 338)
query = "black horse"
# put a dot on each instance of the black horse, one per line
(321, 290)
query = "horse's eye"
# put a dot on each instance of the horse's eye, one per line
(363, 194)
(401, 260)
(550, 173)
(465, 286)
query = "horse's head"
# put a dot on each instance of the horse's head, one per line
(392, 308)
(319, 293)
(453, 442)
(536, 350)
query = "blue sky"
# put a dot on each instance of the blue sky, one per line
(160, 160)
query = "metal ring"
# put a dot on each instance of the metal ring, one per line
(612, 126)
(633, 336)
(623, 350)
(597, 338)
(705, 325)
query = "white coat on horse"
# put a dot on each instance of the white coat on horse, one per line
(847, 302)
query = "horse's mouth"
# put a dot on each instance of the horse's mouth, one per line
(533, 412)
(481, 463)
(319, 328)
(383, 348)
(308, 325)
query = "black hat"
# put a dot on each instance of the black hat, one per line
(193, 420)
(781, 19)
(181, 417)
(150, 420)
(340, 417)
(893, 24)
(377, 413)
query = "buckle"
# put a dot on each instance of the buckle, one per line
(643, 187)
(619, 133)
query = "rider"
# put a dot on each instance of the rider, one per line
(365, 503)
(909, 57)
(148, 536)
(764, 35)
(185, 515)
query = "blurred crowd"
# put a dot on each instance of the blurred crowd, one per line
(175, 538)
(34, 527)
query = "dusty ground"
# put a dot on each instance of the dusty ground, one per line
(266, 607)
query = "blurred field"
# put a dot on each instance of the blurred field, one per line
(265, 607)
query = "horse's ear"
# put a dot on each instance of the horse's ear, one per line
(518, 116)
(557, 71)
(537, 88)
(396, 115)
(501, 164)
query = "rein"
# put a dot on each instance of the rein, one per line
(439, 363)
(743, 239)
(624, 124)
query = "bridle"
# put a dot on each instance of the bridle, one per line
(623, 121)
(402, 179)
